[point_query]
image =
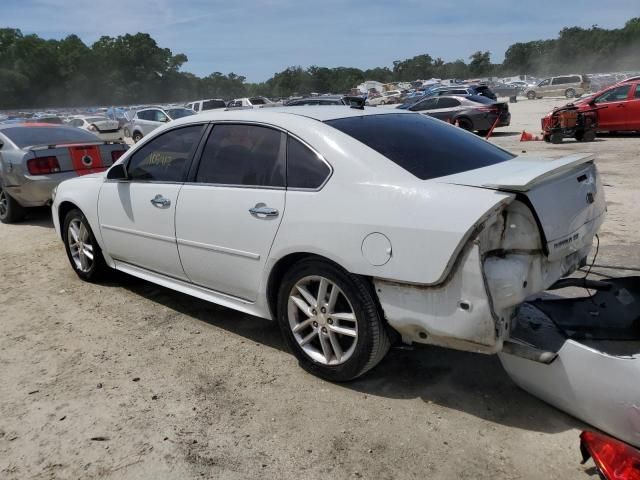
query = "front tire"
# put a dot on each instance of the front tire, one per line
(569, 93)
(82, 249)
(10, 210)
(531, 95)
(331, 321)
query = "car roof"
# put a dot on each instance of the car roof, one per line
(320, 113)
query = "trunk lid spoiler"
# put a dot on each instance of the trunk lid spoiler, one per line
(519, 174)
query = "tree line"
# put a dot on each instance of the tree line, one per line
(133, 69)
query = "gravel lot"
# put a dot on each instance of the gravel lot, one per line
(130, 380)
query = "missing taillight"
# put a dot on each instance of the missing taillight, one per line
(615, 460)
(43, 165)
(116, 154)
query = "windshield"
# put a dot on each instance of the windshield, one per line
(175, 113)
(30, 136)
(425, 147)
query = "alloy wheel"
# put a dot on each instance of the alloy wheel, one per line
(80, 246)
(322, 320)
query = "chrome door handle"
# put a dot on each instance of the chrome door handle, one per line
(160, 201)
(262, 209)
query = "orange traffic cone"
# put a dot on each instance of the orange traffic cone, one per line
(526, 137)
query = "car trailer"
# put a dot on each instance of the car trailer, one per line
(569, 122)
(582, 354)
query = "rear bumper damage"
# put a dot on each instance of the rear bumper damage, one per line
(595, 375)
(496, 271)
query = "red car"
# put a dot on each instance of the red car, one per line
(618, 106)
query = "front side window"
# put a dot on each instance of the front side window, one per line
(428, 104)
(305, 169)
(423, 146)
(544, 83)
(616, 94)
(247, 155)
(166, 158)
(158, 116)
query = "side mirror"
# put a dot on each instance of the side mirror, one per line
(164, 119)
(117, 172)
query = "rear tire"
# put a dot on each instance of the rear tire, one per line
(10, 210)
(137, 136)
(465, 124)
(312, 317)
(556, 138)
(82, 249)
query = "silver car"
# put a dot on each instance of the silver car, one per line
(35, 158)
(148, 119)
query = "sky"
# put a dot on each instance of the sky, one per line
(259, 38)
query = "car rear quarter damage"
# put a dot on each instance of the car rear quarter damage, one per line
(521, 249)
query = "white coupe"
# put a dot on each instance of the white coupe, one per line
(353, 228)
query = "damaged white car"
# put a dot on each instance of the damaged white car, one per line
(353, 228)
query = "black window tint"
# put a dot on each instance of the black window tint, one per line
(637, 94)
(304, 168)
(165, 158)
(211, 104)
(426, 147)
(448, 102)
(243, 155)
(428, 104)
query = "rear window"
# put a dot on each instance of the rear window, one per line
(423, 146)
(257, 101)
(31, 136)
(480, 99)
(211, 104)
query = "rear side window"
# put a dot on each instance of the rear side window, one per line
(166, 158)
(448, 103)
(305, 169)
(32, 136)
(425, 147)
(637, 94)
(243, 155)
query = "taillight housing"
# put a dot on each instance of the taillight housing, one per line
(116, 154)
(488, 109)
(615, 460)
(43, 165)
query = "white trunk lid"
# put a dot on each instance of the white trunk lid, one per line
(566, 195)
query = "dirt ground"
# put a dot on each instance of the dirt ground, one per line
(130, 380)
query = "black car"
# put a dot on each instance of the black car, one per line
(471, 112)
(327, 100)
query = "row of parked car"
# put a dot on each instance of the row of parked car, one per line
(234, 207)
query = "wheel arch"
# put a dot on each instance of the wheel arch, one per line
(280, 268)
(63, 209)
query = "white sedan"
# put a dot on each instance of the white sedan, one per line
(354, 229)
(105, 128)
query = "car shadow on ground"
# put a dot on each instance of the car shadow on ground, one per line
(472, 383)
(37, 217)
(505, 134)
